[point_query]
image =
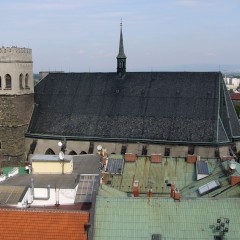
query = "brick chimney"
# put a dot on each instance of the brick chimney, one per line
(191, 158)
(176, 194)
(130, 157)
(156, 158)
(149, 193)
(136, 188)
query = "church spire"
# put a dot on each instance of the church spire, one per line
(121, 58)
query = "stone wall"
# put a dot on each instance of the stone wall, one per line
(78, 146)
(15, 114)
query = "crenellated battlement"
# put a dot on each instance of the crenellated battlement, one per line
(15, 54)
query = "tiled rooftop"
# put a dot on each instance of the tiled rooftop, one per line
(139, 218)
(37, 224)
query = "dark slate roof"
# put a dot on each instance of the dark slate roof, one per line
(86, 164)
(171, 107)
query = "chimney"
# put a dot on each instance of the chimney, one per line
(191, 158)
(156, 158)
(176, 194)
(136, 188)
(130, 157)
(149, 193)
(172, 189)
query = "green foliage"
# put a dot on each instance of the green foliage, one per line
(237, 109)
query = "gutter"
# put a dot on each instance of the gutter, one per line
(124, 140)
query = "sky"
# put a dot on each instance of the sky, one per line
(159, 35)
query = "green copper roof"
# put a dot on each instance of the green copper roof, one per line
(154, 175)
(121, 53)
(139, 218)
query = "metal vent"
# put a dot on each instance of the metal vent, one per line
(156, 237)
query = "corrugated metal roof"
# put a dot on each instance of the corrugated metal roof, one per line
(11, 194)
(139, 218)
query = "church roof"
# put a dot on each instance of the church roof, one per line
(169, 107)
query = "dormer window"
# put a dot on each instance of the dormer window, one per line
(8, 81)
(21, 81)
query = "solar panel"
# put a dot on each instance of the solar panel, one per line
(115, 166)
(208, 187)
(87, 184)
(202, 167)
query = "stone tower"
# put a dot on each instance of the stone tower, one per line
(16, 102)
(121, 58)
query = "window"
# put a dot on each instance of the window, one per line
(72, 153)
(167, 152)
(83, 152)
(0, 82)
(191, 150)
(26, 81)
(0, 145)
(50, 152)
(217, 153)
(91, 147)
(21, 81)
(124, 149)
(8, 81)
(144, 150)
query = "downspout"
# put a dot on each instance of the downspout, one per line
(40, 198)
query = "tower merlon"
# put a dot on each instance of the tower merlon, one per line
(15, 54)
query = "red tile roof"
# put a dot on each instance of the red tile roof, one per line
(42, 224)
(235, 96)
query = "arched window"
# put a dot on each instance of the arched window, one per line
(72, 153)
(50, 152)
(0, 82)
(8, 81)
(26, 81)
(21, 81)
(83, 152)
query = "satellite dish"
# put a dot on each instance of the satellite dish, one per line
(99, 147)
(61, 155)
(60, 144)
(232, 164)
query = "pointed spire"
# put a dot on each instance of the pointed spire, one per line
(121, 53)
(121, 58)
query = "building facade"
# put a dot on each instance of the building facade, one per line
(16, 102)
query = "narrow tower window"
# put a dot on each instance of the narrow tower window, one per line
(8, 81)
(0, 82)
(167, 152)
(91, 147)
(26, 81)
(144, 150)
(124, 149)
(21, 81)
